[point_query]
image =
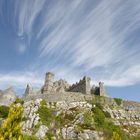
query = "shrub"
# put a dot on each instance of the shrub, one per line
(43, 103)
(135, 138)
(107, 114)
(118, 101)
(10, 129)
(109, 129)
(49, 135)
(46, 114)
(88, 119)
(116, 136)
(19, 100)
(99, 116)
(30, 138)
(4, 110)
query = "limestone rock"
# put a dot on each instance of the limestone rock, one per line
(28, 90)
(41, 131)
(30, 113)
(89, 135)
(69, 133)
(7, 96)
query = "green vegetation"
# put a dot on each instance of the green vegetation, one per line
(19, 100)
(116, 136)
(30, 138)
(135, 138)
(118, 101)
(104, 123)
(43, 103)
(46, 114)
(99, 116)
(10, 129)
(95, 119)
(88, 119)
(4, 110)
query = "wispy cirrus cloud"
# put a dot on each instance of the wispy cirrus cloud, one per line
(76, 38)
(20, 80)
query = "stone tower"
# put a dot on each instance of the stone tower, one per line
(48, 85)
(102, 89)
(28, 90)
(87, 84)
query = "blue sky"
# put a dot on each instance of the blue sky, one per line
(97, 38)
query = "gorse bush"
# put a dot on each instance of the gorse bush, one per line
(116, 136)
(4, 110)
(10, 129)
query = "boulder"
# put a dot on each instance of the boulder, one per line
(7, 96)
(41, 131)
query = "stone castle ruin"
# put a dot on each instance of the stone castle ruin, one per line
(83, 86)
(61, 90)
(54, 86)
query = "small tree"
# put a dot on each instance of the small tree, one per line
(10, 129)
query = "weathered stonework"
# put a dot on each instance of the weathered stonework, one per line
(101, 89)
(82, 86)
(28, 90)
(48, 85)
(60, 90)
(53, 86)
(7, 96)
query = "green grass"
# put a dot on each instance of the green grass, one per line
(4, 110)
(19, 100)
(30, 138)
(46, 115)
(118, 101)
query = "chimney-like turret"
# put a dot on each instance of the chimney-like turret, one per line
(87, 84)
(102, 89)
(28, 90)
(48, 85)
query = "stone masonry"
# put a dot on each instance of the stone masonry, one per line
(53, 88)
(82, 86)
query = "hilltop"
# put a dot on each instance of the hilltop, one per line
(62, 111)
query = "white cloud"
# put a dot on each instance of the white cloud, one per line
(76, 38)
(20, 80)
(97, 40)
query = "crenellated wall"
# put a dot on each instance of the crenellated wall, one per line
(61, 86)
(82, 86)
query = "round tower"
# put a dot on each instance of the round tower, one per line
(49, 80)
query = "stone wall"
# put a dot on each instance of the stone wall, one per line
(64, 96)
(98, 90)
(82, 86)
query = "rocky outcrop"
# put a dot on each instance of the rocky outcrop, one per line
(7, 96)
(126, 115)
(41, 131)
(30, 115)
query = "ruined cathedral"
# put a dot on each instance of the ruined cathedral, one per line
(62, 90)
